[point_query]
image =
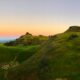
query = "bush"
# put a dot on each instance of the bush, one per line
(73, 36)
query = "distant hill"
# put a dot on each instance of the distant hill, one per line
(27, 39)
(58, 59)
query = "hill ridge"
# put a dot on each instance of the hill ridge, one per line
(74, 29)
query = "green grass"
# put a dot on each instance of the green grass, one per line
(8, 54)
(58, 58)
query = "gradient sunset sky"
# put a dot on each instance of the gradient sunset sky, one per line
(45, 17)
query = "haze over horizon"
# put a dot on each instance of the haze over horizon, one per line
(47, 17)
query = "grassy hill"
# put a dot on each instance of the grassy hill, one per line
(58, 59)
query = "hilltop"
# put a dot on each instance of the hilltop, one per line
(74, 29)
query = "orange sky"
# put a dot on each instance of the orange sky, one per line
(47, 17)
(17, 29)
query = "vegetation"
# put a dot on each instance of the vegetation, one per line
(9, 53)
(56, 59)
(13, 56)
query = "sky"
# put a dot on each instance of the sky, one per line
(47, 17)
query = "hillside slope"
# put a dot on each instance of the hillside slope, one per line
(58, 59)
